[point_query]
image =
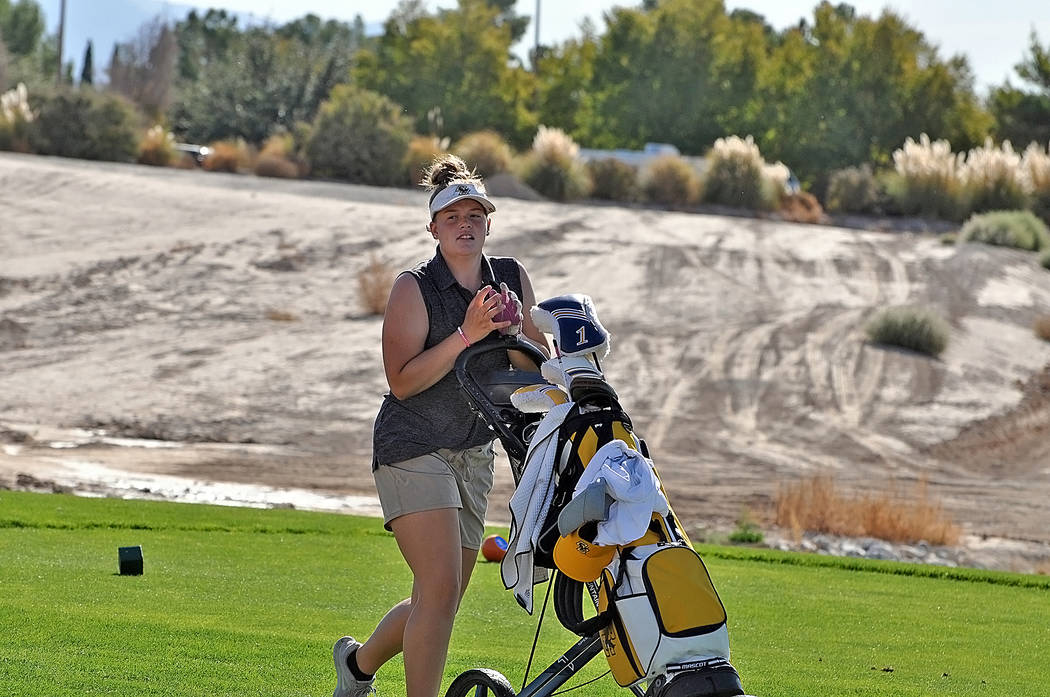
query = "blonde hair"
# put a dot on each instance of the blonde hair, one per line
(448, 169)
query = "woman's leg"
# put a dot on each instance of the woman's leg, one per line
(422, 625)
(387, 639)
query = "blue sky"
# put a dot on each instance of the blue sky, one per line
(993, 35)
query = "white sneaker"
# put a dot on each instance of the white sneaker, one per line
(346, 684)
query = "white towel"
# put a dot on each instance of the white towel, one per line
(631, 480)
(529, 506)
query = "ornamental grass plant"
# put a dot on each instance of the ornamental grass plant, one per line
(993, 179)
(552, 166)
(421, 152)
(373, 285)
(613, 180)
(157, 147)
(671, 181)
(1017, 229)
(854, 190)
(914, 328)
(486, 152)
(1035, 163)
(737, 176)
(817, 504)
(926, 181)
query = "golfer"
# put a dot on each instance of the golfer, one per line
(432, 455)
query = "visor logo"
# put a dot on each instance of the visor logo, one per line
(462, 189)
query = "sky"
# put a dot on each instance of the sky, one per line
(993, 35)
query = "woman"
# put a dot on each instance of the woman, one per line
(432, 455)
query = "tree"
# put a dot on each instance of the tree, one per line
(87, 71)
(3, 66)
(249, 84)
(850, 89)
(451, 71)
(1023, 116)
(21, 26)
(143, 70)
(682, 72)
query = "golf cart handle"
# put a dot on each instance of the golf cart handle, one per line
(489, 391)
(503, 342)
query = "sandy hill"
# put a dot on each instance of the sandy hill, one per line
(221, 315)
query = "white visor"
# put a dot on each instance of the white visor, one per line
(457, 191)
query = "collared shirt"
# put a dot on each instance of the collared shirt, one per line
(440, 416)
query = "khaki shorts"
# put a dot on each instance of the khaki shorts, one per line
(442, 479)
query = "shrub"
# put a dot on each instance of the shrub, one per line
(738, 176)
(613, 180)
(275, 166)
(359, 136)
(1018, 229)
(230, 156)
(670, 180)
(927, 181)
(485, 151)
(802, 207)
(1035, 164)
(1044, 259)
(746, 531)
(280, 144)
(912, 328)
(84, 124)
(552, 166)
(421, 152)
(854, 190)
(157, 147)
(1041, 327)
(992, 178)
(374, 284)
(277, 315)
(815, 505)
(276, 159)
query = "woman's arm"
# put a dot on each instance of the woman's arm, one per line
(528, 327)
(409, 368)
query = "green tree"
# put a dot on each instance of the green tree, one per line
(850, 89)
(249, 84)
(1023, 116)
(451, 71)
(564, 76)
(683, 72)
(87, 72)
(21, 26)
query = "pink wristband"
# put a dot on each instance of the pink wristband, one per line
(463, 336)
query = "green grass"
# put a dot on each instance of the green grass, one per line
(249, 602)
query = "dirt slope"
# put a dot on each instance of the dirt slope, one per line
(204, 308)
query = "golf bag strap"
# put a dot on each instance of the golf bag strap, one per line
(568, 606)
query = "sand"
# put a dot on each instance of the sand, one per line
(202, 336)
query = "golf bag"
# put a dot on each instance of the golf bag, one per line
(590, 505)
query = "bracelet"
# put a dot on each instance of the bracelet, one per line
(463, 336)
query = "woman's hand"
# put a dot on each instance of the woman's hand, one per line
(479, 321)
(511, 312)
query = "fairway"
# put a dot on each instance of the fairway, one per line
(248, 602)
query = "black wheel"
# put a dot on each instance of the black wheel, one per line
(480, 682)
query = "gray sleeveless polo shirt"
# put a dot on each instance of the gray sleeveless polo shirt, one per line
(440, 416)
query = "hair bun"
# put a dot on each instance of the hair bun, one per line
(446, 169)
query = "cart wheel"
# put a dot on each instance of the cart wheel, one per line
(480, 682)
